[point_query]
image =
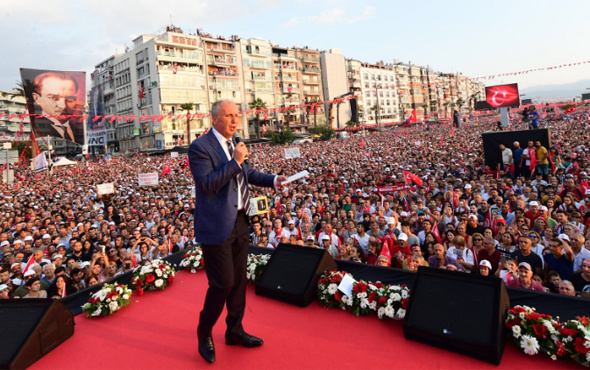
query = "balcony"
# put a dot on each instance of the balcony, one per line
(179, 55)
(285, 77)
(310, 81)
(310, 58)
(259, 53)
(221, 61)
(283, 56)
(285, 67)
(311, 70)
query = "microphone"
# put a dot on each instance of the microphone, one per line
(238, 140)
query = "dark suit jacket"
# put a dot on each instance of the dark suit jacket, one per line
(216, 188)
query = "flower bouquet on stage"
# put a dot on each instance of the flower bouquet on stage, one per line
(108, 300)
(256, 263)
(153, 275)
(193, 260)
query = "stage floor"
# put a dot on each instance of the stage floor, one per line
(158, 331)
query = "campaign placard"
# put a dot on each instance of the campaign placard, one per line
(103, 189)
(148, 179)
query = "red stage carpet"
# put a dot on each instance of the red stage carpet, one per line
(158, 331)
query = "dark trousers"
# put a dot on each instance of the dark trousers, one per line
(225, 265)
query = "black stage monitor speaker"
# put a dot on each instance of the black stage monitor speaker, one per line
(31, 328)
(292, 273)
(459, 312)
(492, 141)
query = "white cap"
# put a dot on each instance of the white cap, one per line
(534, 203)
(310, 237)
(403, 236)
(46, 236)
(390, 220)
(29, 272)
(291, 222)
(404, 214)
(468, 186)
(57, 256)
(543, 208)
(486, 263)
(564, 237)
(6, 242)
(325, 237)
(3, 286)
(473, 216)
(28, 237)
(84, 264)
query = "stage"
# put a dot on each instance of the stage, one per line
(158, 331)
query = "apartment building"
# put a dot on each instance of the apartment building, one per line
(311, 80)
(12, 106)
(258, 75)
(287, 77)
(380, 91)
(335, 85)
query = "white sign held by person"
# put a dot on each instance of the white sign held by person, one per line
(173, 154)
(291, 153)
(103, 189)
(148, 179)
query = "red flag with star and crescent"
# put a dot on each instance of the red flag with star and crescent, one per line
(408, 176)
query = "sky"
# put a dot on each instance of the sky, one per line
(475, 38)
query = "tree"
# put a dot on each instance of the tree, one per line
(325, 132)
(284, 137)
(289, 111)
(376, 108)
(315, 110)
(258, 105)
(187, 107)
(424, 108)
(351, 124)
(459, 102)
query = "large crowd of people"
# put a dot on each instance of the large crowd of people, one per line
(400, 198)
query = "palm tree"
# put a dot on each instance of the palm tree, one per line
(187, 107)
(289, 111)
(258, 105)
(376, 108)
(315, 110)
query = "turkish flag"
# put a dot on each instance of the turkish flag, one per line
(411, 119)
(363, 143)
(408, 176)
(166, 169)
(570, 110)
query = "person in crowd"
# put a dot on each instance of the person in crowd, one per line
(34, 286)
(490, 254)
(567, 288)
(560, 257)
(485, 267)
(441, 260)
(524, 279)
(581, 279)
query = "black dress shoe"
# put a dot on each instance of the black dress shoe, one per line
(207, 349)
(243, 339)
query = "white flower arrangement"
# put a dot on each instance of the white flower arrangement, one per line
(109, 299)
(193, 260)
(256, 263)
(155, 275)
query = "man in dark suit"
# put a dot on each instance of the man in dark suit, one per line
(222, 173)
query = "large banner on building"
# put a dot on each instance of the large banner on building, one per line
(57, 100)
(95, 127)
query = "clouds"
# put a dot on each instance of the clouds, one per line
(334, 16)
